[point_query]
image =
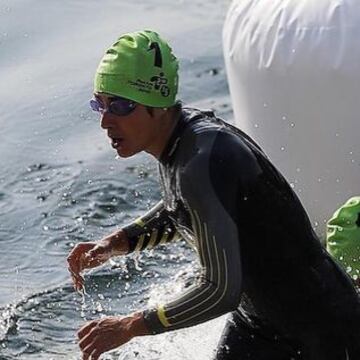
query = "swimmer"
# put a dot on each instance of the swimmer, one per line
(261, 261)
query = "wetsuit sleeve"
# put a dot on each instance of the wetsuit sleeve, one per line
(151, 229)
(211, 187)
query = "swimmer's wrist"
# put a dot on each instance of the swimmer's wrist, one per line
(119, 243)
(138, 325)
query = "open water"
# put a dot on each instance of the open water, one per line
(60, 182)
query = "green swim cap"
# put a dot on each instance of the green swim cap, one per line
(141, 67)
(343, 236)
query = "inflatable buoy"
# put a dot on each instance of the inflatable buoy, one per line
(294, 75)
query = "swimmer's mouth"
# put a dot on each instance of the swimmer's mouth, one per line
(116, 142)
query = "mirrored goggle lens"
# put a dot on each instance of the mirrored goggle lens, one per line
(121, 107)
(118, 106)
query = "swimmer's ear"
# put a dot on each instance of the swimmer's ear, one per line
(358, 220)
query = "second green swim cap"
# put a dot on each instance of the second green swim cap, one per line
(141, 67)
(343, 236)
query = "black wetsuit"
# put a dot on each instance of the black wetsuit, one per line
(260, 257)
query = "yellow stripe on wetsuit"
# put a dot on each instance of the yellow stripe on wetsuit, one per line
(162, 317)
(139, 222)
(140, 243)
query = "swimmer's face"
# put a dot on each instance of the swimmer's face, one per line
(132, 133)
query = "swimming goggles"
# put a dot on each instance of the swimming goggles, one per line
(117, 106)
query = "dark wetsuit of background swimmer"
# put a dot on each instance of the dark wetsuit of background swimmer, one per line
(259, 255)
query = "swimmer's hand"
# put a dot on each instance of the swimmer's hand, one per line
(87, 255)
(102, 335)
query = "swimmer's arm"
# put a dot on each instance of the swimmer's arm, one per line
(153, 228)
(216, 292)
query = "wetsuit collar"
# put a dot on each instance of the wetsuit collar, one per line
(187, 116)
(173, 141)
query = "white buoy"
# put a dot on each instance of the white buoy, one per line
(294, 75)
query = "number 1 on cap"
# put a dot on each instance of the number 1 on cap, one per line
(158, 58)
